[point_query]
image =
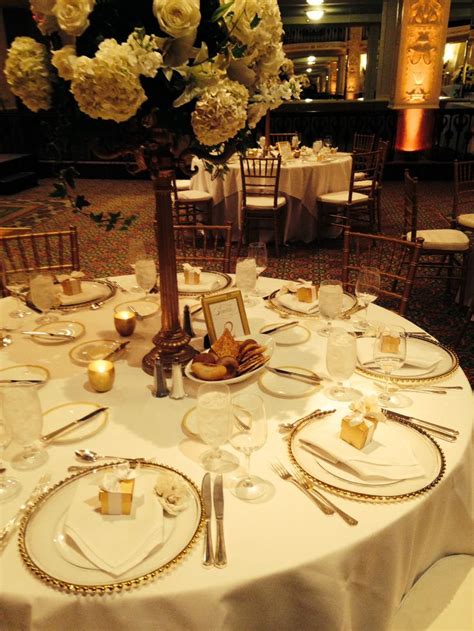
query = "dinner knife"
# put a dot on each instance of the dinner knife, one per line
(281, 327)
(47, 437)
(25, 381)
(116, 350)
(48, 334)
(221, 556)
(441, 430)
(208, 557)
(295, 375)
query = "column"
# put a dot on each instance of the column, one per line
(353, 62)
(341, 74)
(333, 77)
(372, 57)
(386, 65)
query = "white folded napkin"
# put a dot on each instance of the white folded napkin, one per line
(388, 456)
(115, 543)
(365, 355)
(290, 301)
(89, 291)
(208, 285)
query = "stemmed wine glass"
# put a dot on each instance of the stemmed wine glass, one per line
(9, 487)
(17, 285)
(250, 434)
(327, 142)
(390, 350)
(367, 290)
(341, 358)
(330, 298)
(23, 416)
(295, 141)
(214, 422)
(43, 296)
(145, 274)
(258, 251)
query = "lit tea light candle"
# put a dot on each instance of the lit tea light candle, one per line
(101, 375)
(125, 322)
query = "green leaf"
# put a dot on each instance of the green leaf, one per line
(255, 21)
(69, 174)
(60, 190)
(239, 51)
(81, 202)
(218, 13)
(97, 217)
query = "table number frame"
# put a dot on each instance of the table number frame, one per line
(225, 311)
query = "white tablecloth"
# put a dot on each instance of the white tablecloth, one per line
(300, 181)
(290, 566)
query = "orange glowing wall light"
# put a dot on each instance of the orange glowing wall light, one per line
(414, 130)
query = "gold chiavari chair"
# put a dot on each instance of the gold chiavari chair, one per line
(360, 181)
(282, 137)
(386, 254)
(363, 142)
(190, 206)
(463, 198)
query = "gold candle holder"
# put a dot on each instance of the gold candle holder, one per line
(125, 322)
(101, 375)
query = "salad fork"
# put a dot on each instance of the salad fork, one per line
(347, 518)
(286, 475)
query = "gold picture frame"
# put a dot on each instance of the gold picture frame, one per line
(285, 150)
(223, 311)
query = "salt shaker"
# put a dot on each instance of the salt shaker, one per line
(177, 387)
(161, 389)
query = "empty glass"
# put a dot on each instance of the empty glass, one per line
(390, 350)
(145, 274)
(246, 277)
(330, 298)
(23, 416)
(317, 146)
(341, 359)
(295, 141)
(136, 250)
(250, 434)
(43, 295)
(17, 285)
(9, 487)
(214, 422)
(367, 290)
(258, 251)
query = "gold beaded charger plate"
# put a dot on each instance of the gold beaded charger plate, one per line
(93, 291)
(338, 479)
(56, 561)
(25, 372)
(445, 363)
(210, 283)
(349, 302)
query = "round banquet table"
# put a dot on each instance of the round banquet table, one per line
(289, 565)
(301, 181)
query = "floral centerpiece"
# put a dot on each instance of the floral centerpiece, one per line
(166, 79)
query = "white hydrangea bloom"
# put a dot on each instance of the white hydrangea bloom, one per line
(63, 60)
(73, 15)
(220, 113)
(28, 74)
(144, 48)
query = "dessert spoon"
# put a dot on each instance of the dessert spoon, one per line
(88, 455)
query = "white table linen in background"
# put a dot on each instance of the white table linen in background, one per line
(300, 181)
(290, 566)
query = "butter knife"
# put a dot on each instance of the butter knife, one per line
(281, 327)
(295, 375)
(221, 556)
(208, 556)
(25, 381)
(116, 350)
(47, 437)
(49, 334)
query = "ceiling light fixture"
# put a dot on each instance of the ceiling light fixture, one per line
(314, 16)
(309, 70)
(315, 3)
(311, 59)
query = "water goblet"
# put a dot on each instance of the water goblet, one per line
(317, 146)
(214, 422)
(341, 359)
(17, 285)
(295, 141)
(43, 295)
(9, 487)
(258, 251)
(330, 298)
(367, 289)
(250, 434)
(390, 348)
(22, 414)
(145, 274)
(246, 277)
(136, 251)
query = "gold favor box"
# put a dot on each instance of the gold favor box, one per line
(357, 435)
(306, 294)
(191, 277)
(71, 286)
(117, 503)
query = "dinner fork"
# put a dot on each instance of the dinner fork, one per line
(286, 475)
(307, 484)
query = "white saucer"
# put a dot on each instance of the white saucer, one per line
(66, 413)
(287, 387)
(289, 337)
(86, 352)
(145, 308)
(77, 329)
(25, 371)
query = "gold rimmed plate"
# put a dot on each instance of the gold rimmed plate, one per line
(287, 387)
(68, 570)
(61, 415)
(210, 283)
(25, 372)
(86, 352)
(337, 479)
(292, 336)
(75, 330)
(444, 362)
(348, 303)
(145, 308)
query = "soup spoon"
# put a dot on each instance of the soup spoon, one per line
(88, 455)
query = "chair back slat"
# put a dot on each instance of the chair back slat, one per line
(205, 245)
(282, 137)
(260, 177)
(463, 198)
(366, 162)
(410, 208)
(363, 142)
(386, 254)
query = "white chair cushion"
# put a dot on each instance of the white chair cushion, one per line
(443, 239)
(194, 196)
(363, 184)
(466, 220)
(359, 175)
(183, 185)
(441, 600)
(341, 197)
(262, 202)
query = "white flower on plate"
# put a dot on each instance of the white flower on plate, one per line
(73, 15)
(172, 492)
(178, 18)
(366, 408)
(28, 73)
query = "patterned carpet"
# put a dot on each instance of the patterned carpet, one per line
(105, 253)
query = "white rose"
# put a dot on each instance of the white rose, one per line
(73, 15)
(178, 18)
(172, 492)
(63, 60)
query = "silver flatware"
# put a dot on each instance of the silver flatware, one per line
(89, 455)
(443, 432)
(25, 381)
(133, 310)
(286, 427)
(47, 437)
(345, 516)
(295, 375)
(220, 559)
(286, 475)
(57, 334)
(281, 327)
(208, 555)
(121, 346)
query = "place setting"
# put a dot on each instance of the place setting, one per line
(194, 281)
